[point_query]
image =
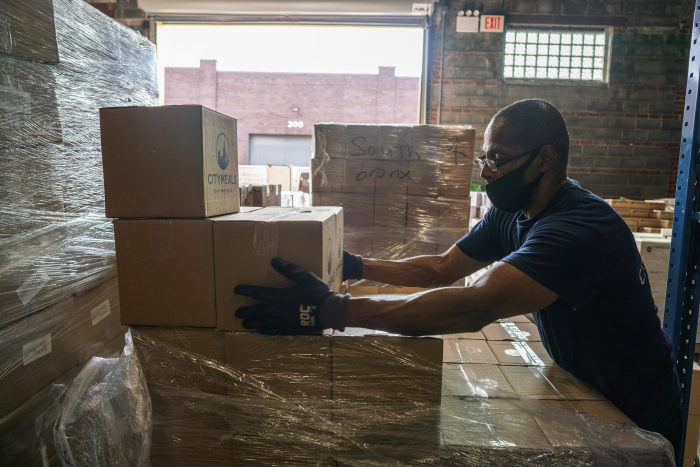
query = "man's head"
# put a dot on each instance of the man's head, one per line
(526, 148)
(530, 123)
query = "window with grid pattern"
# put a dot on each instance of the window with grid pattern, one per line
(556, 54)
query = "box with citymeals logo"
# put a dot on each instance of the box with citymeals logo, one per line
(244, 245)
(172, 161)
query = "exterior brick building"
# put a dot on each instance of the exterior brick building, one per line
(290, 103)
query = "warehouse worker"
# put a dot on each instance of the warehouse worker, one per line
(555, 249)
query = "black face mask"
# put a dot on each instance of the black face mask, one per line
(510, 193)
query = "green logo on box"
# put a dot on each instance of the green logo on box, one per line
(222, 151)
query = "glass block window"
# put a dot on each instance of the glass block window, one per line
(555, 54)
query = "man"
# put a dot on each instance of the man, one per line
(556, 250)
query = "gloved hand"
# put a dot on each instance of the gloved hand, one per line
(352, 266)
(304, 308)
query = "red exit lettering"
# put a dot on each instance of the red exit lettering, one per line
(492, 23)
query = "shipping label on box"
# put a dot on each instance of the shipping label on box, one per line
(169, 161)
(244, 245)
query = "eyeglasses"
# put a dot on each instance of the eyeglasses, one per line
(494, 164)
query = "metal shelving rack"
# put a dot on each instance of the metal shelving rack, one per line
(681, 311)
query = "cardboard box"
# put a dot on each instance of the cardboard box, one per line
(468, 351)
(502, 431)
(166, 271)
(27, 30)
(520, 353)
(179, 272)
(246, 243)
(28, 103)
(187, 390)
(375, 367)
(280, 175)
(169, 161)
(285, 367)
(475, 380)
(261, 195)
(511, 331)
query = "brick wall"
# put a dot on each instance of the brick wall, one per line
(624, 133)
(263, 102)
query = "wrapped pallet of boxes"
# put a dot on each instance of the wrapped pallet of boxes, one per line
(59, 303)
(404, 189)
(248, 399)
(369, 398)
(53, 237)
(651, 216)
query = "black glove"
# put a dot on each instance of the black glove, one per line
(304, 308)
(352, 266)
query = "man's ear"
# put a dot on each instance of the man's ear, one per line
(548, 157)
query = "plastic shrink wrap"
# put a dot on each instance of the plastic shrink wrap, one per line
(404, 188)
(60, 61)
(368, 398)
(105, 415)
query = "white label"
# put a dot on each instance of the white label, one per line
(295, 124)
(100, 312)
(32, 286)
(36, 349)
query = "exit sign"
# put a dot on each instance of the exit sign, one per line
(492, 23)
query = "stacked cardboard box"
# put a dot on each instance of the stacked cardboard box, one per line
(502, 377)
(404, 189)
(181, 243)
(59, 301)
(242, 398)
(364, 397)
(644, 216)
(261, 195)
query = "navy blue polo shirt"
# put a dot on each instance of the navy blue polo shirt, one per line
(603, 328)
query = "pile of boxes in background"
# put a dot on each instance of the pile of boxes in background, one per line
(59, 302)
(404, 188)
(652, 216)
(282, 185)
(261, 195)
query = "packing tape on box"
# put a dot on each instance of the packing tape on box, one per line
(266, 233)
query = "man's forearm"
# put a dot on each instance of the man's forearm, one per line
(438, 311)
(419, 271)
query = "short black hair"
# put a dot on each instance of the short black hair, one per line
(534, 122)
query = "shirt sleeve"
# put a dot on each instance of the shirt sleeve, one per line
(482, 242)
(570, 258)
